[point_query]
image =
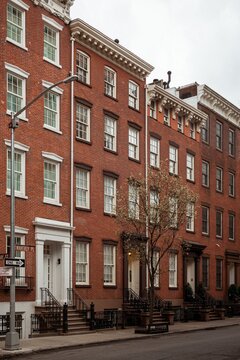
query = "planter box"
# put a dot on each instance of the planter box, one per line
(204, 314)
(169, 316)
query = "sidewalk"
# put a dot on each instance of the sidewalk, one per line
(106, 336)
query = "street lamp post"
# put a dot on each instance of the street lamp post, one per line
(12, 337)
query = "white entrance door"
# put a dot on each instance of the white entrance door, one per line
(133, 273)
(191, 273)
(231, 274)
(48, 271)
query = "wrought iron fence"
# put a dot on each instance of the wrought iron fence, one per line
(49, 322)
(5, 324)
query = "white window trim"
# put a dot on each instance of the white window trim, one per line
(191, 169)
(18, 230)
(131, 96)
(156, 265)
(57, 91)
(114, 195)
(219, 180)
(113, 283)
(88, 189)
(221, 224)
(155, 154)
(15, 70)
(23, 8)
(173, 285)
(22, 150)
(175, 161)
(231, 238)
(233, 177)
(88, 67)
(56, 160)
(135, 145)
(207, 208)
(87, 266)
(56, 27)
(114, 84)
(133, 193)
(190, 211)
(114, 136)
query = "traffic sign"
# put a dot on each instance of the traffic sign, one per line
(4, 271)
(15, 262)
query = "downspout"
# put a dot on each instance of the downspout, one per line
(146, 172)
(71, 163)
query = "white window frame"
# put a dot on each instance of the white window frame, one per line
(180, 123)
(190, 223)
(82, 262)
(82, 188)
(19, 75)
(110, 185)
(154, 206)
(154, 152)
(221, 224)
(20, 6)
(56, 27)
(205, 131)
(190, 166)
(153, 109)
(133, 201)
(133, 95)
(192, 130)
(172, 270)
(110, 78)
(219, 134)
(230, 215)
(231, 184)
(207, 220)
(83, 72)
(173, 212)
(133, 143)
(21, 150)
(205, 175)
(110, 133)
(57, 91)
(156, 267)
(231, 142)
(83, 114)
(55, 160)
(166, 116)
(109, 264)
(219, 179)
(19, 254)
(173, 160)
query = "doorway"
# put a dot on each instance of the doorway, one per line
(191, 275)
(134, 272)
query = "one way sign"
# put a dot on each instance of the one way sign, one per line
(15, 262)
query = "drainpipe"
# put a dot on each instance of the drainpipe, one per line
(146, 171)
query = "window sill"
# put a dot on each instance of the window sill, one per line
(83, 286)
(114, 152)
(173, 287)
(105, 286)
(206, 235)
(111, 97)
(83, 209)
(52, 129)
(19, 196)
(84, 83)
(52, 62)
(134, 109)
(219, 191)
(191, 181)
(205, 186)
(154, 167)
(49, 202)
(21, 46)
(84, 141)
(113, 215)
(20, 117)
(135, 160)
(190, 231)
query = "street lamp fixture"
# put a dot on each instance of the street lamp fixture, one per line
(12, 337)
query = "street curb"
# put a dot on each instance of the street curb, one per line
(18, 353)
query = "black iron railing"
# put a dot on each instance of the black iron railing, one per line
(75, 300)
(23, 282)
(5, 324)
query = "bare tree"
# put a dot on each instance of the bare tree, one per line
(151, 211)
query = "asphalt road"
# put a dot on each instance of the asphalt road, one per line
(216, 344)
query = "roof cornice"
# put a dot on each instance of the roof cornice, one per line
(166, 99)
(110, 49)
(59, 8)
(217, 103)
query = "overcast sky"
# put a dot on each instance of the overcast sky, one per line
(198, 40)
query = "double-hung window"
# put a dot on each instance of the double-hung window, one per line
(219, 273)
(180, 123)
(219, 227)
(16, 22)
(110, 132)
(83, 67)
(52, 107)
(109, 82)
(190, 217)
(109, 195)
(51, 176)
(205, 131)
(16, 89)
(156, 268)
(83, 122)
(133, 95)
(153, 111)
(20, 151)
(51, 42)
(109, 265)
(166, 116)
(83, 188)
(173, 213)
(190, 166)
(173, 160)
(154, 206)
(219, 179)
(19, 254)
(205, 220)
(133, 143)
(231, 142)
(219, 135)
(133, 201)
(231, 184)
(205, 173)
(154, 152)
(205, 272)
(231, 226)
(82, 263)
(172, 270)
(192, 130)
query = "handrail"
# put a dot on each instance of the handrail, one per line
(48, 300)
(75, 300)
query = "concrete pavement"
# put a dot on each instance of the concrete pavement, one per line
(106, 336)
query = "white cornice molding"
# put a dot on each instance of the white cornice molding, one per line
(59, 8)
(109, 49)
(178, 106)
(217, 103)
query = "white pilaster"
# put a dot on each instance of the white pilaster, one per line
(39, 270)
(65, 271)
